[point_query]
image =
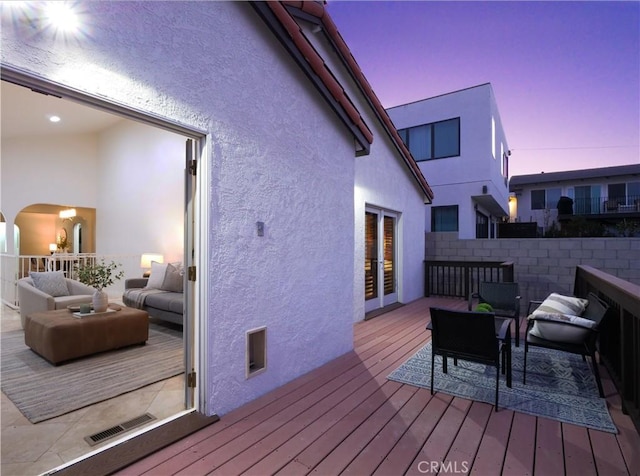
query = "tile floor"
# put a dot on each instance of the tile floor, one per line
(31, 449)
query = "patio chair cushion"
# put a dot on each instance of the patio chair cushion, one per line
(559, 304)
(558, 307)
(549, 330)
(52, 283)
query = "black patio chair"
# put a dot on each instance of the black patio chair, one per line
(465, 335)
(596, 311)
(504, 298)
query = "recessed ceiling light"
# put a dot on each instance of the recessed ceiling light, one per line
(54, 118)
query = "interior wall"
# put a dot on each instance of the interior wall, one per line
(141, 200)
(37, 230)
(130, 167)
(50, 169)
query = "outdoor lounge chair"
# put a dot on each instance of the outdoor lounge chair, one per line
(467, 336)
(504, 298)
(595, 311)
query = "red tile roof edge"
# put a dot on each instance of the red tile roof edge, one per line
(319, 67)
(317, 9)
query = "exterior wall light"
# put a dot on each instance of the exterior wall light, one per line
(61, 16)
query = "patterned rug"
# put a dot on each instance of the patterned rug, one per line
(560, 386)
(42, 391)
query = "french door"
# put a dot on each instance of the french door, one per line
(381, 258)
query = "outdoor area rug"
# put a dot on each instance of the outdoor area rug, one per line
(42, 391)
(560, 386)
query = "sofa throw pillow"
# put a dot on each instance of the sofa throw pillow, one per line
(156, 278)
(545, 329)
(173, 278)
(52, 283)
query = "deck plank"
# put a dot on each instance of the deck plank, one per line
(435, 449)
(466, 445)
(578, 457)
(521, 450)
(347, 418)
(549, 457)
(372, 455)
(493, 445)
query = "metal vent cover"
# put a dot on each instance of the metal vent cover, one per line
(117, 429)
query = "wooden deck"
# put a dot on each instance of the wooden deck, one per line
(347, 418)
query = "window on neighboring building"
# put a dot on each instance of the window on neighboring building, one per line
(545, 198)
(553, 195)
(623, 193)
(493, 137)
(617, 193)
(537, 199)
(482, 225)
(433, 141)
(633, 193)
(587, 199)
(444, 218)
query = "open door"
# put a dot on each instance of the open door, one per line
(188, 326)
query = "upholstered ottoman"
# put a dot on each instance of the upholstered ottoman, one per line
(58, 336)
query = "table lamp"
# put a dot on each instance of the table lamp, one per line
(145, 262)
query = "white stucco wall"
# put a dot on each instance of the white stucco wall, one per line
(382, 181)
(455, 180)
(275, 153)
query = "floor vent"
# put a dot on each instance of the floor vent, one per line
(121, 428)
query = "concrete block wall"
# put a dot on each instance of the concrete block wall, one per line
(543, 265)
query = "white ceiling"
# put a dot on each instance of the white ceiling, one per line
(26, 113)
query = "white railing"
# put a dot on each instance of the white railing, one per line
(15, 267)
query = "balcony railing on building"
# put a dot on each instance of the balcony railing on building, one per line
(606, 205)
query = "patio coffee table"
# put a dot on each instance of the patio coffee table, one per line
(58, 336)
(503, 333)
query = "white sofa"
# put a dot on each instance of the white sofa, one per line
(33, 300)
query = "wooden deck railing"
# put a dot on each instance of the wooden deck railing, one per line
(461, 278)
(620, 333)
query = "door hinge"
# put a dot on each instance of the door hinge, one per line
(192, 273)
(193, 166)
(191, 379)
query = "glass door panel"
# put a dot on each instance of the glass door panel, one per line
(371, 256)
(389, 255)
(380, 266)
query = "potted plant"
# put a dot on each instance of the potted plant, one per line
(99, 276)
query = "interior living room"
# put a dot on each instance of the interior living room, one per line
(79, 183)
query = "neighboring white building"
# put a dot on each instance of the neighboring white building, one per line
(459, 143)
(290, 194)
(606, 195)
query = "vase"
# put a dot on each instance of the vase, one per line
(100, 301)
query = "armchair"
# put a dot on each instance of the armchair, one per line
(568, 335)
(32, 299)
(467, 336)
(504, 298)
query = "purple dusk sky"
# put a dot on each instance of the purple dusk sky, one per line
(566, 75)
